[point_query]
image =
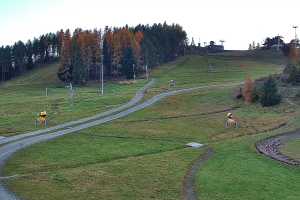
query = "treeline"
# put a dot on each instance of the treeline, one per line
(21, 57)
(124, 52)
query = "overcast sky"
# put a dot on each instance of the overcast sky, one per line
(238, 22)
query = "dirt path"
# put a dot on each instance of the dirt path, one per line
(189, 191)
(270, 147)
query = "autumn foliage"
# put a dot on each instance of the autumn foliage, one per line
(125, 51)
(248, 90)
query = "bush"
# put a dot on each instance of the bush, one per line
(269, 93)
(248, 90)
(291, 74)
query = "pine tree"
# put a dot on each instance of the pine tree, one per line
(270, 94)
(127, 63)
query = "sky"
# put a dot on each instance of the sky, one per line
(238, 22)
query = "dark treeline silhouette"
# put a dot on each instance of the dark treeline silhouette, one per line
(124, 51)
(20, 57)
(212, 47)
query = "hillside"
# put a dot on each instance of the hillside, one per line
(45, 76)
(143, 156)
(22, 98)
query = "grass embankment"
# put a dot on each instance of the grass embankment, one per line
(292, 149)
(142, 156)
(23, 98)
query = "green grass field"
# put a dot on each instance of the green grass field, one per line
(143, 156)
(23, 98)
(292, 149)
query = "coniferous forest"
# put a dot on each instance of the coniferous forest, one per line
(124, 51)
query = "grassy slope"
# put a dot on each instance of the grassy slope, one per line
(237, 172)
(292, 149)
(141, 156)
(23, 98)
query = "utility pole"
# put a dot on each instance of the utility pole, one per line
(278, 42)
(102, 56)
(222, 42)
(102, 77)
(71, 94)
(133, 71)
(147, 74)
(295, 27)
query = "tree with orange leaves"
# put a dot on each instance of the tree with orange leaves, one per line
(248, 90)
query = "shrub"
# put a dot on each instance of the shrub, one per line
(269, 93)
(248, 90)
(291, 74)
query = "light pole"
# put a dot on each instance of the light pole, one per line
(222, 42)
(278, 42)
(102, 82)
(133, 71)
(295, 27)
(102, 56)
(147, 74)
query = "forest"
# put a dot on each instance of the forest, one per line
(123, 52)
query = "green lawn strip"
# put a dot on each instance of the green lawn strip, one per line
(237, 171)
(292, 149)
(83, 149)
(157, 176)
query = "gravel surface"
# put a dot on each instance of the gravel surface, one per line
(270, 147)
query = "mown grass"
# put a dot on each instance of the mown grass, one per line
(120, 169)
(292, 149)
(194, 70)
(237, 171)
(23, 98)
(142, 156)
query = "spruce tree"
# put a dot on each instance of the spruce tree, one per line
(270, 94)
(127, 63)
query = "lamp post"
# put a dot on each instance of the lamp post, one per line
(102, 56)
(147, 74)
(133, 68)
(222, 42)
(295, 27)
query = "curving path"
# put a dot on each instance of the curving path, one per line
(189, 190)
(270, 147)
(16, 143)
